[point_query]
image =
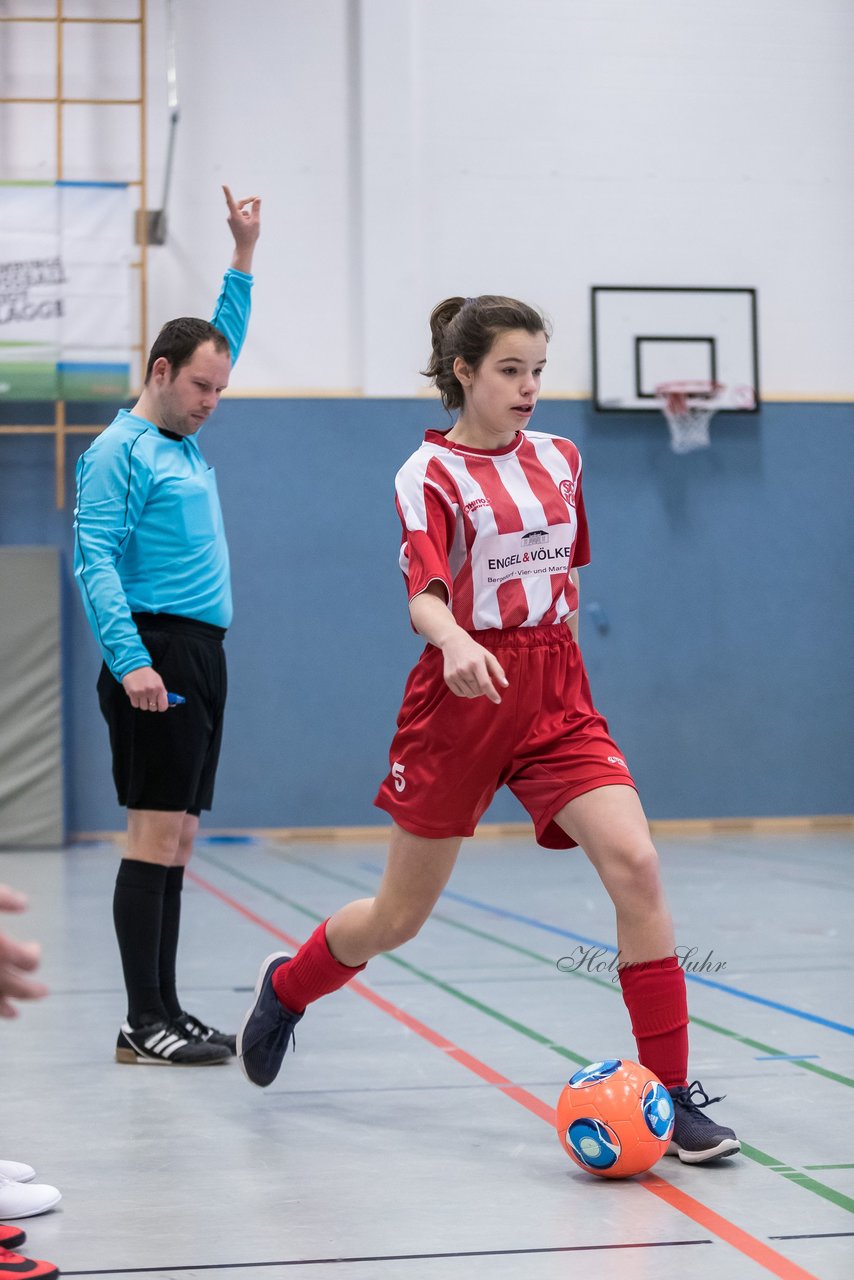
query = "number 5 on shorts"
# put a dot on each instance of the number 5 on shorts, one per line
(397, 773)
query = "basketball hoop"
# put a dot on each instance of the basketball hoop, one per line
(689, 407)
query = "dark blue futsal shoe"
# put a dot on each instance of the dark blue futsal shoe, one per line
(696, 1137)
(268, 1028)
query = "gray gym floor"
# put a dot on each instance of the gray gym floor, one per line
(409, 1137)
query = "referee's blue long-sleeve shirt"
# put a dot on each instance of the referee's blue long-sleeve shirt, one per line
(148, 530)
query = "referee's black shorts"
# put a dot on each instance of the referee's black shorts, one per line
(167, 760)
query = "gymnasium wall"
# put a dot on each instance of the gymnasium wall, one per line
(408, 149)
(412, 149)
(724, 580)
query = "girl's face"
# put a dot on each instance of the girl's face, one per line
(501, 394)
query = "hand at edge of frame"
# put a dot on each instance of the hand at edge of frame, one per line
(11, 899)
(17, 959)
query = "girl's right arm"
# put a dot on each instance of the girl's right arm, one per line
(470, 670)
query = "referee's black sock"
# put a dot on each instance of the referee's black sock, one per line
(170, 926)
(137, 915)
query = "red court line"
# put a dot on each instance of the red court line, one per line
(705, 1217)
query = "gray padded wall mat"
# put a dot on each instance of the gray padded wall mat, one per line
(31, 791)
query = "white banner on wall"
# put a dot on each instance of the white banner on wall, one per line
(65, 254)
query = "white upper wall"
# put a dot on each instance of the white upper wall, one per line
(411, 149)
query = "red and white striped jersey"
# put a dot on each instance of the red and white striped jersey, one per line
(500, 528)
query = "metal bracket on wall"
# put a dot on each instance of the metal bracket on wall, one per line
(152, 224)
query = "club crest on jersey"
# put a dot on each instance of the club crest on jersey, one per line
(567, 491)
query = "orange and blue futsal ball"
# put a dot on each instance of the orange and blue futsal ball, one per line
(614, 1118)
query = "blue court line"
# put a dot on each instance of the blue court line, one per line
(593, 942)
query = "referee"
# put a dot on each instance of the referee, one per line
(151, 561)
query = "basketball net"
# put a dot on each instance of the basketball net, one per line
(689, 408)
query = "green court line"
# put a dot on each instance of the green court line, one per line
(796, 1176)
(829, 1166)
(585, 977)
(753, 1153)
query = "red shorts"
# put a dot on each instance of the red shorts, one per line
(545, 740)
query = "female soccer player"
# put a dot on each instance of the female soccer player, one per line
(494, 533)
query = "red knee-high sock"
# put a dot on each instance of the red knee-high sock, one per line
(312, 973)
(654, 993)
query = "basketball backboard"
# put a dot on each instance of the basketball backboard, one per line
(643, 336)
